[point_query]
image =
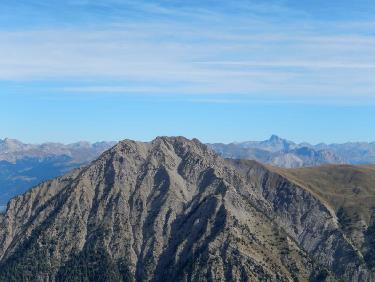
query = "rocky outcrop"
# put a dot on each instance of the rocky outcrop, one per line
(309, 220)
(173, 210)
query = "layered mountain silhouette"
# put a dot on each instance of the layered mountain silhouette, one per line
(25, 165)
(174, 210)
(284, 153)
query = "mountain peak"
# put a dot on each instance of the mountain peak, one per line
(167, 210)
(278, 143)
(177, 139)
(164, 145)
(275, 138)
(172, 140)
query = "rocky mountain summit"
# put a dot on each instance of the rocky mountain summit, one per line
(25, 165)
(173, 210)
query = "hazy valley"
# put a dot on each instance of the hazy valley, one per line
(25, 165)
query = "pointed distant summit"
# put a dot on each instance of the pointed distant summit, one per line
(275, 138)
(276, 143)
(279, 151)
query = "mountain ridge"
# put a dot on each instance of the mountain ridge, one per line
(12, 150)
(25, 165)
(284, 153)
(173, 209)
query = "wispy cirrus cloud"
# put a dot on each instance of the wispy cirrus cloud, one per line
(189, 49)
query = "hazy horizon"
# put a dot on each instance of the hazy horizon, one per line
(189, 137)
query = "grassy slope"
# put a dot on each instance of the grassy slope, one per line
(347, 186)
(347, 191)
(350, 191)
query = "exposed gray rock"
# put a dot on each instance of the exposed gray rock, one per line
(173, 210)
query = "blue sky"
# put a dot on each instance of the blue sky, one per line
(216, 70)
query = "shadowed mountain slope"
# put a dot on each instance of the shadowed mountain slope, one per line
(173, 210)
(350, 191)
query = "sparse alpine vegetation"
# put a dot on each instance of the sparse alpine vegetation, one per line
(173, 210)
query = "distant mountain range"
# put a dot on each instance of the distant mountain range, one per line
(173, 210)
(25, 165)
(284, 153)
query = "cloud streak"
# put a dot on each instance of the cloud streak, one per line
(191, 50)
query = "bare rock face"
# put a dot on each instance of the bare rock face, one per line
(173, 210)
